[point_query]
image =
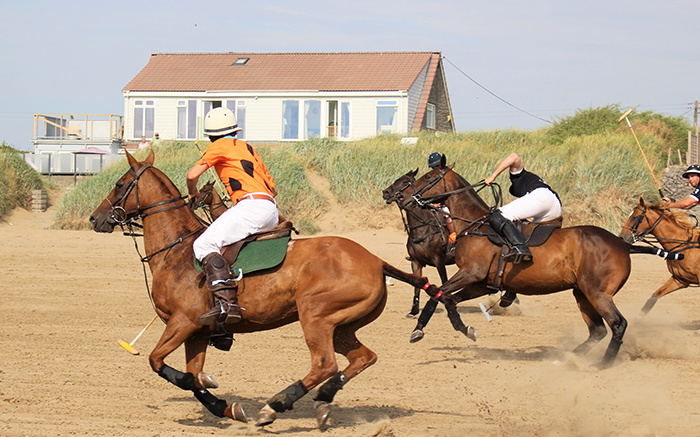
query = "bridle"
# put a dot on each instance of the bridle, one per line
(126, 218)
(426, 202)
(636, 221)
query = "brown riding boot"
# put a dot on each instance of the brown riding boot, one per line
(220, 281)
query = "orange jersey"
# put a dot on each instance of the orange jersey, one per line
(239, 166)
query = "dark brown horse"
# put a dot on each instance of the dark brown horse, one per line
(589, 260)
(674, 232)
(427, 243)
(331, 285)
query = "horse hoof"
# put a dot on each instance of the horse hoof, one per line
(235, 412)
(417, 335)
(470, 332)
(206, 380)
(266, 416)
(411, 315)
(323, 410)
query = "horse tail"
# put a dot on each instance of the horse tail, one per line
(414, 280)
(665, 254)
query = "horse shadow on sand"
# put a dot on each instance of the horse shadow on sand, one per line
(341, 416)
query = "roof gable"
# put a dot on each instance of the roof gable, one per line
(362, 71)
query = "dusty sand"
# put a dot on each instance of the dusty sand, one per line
(69, 296)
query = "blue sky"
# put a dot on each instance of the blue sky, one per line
(548, 58)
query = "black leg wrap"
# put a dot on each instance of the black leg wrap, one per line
(215, 405)
(183, 380)
(427, 313)
(328, 390)
(285, 399)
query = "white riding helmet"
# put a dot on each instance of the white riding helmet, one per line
(220, 121)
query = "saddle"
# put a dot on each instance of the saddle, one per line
(258, 251)
(535, 234)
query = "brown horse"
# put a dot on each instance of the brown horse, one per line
(331, 285)
(674, 232)
(427, 243)
(591, 261)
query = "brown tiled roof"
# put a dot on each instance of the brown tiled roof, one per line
(369, 71)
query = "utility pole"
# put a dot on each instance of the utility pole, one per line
(695, 118)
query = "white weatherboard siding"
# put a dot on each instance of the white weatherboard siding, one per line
(264, 122)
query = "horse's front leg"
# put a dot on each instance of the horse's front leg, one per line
(669, 287)
(460, 280)
(179, 329)
(195, 353)
(417, 269)
(430, 306)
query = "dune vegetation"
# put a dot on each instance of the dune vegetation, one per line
(17, 180)
(590, 159)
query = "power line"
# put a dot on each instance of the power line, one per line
(499, 98)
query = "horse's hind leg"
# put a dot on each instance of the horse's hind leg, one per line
(319, 338)
(596, 327)
(359, 358)
(604, 307)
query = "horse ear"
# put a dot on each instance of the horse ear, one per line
(150, 158)
(133, 163)
(414, 173)
(641, 201)
(452, 165)
(443, 160)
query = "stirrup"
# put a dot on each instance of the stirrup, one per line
(517, 255)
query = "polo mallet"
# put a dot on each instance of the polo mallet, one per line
(219, 184)
(388, 280)
(130, 346)
(624, 117)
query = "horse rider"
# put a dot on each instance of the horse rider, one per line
(693, 176)
(252, 189)
(437, 160)
(535, 200)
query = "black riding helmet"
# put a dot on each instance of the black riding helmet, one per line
(435, 159)
(693, 169)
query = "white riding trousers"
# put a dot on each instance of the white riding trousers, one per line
(244, 218)
(539, 205)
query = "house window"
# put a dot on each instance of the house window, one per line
(338, 122)
(345, 120)
(238, 108)
(290, 119)
(312, 119)
(187, 119)
(209, 105)
(430, 116)
(387, 111)
(144, 118)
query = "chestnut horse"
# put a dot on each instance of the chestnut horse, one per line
(674, 232)
(591, 261)
(331, 285)
(427, 236)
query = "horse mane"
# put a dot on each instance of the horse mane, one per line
(679, 217)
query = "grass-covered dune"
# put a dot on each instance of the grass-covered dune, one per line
(17, 180)
(590, 159)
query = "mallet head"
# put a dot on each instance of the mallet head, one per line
(623, 116)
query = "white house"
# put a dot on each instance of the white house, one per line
(281, 97)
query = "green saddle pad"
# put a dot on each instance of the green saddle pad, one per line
(257, 255)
